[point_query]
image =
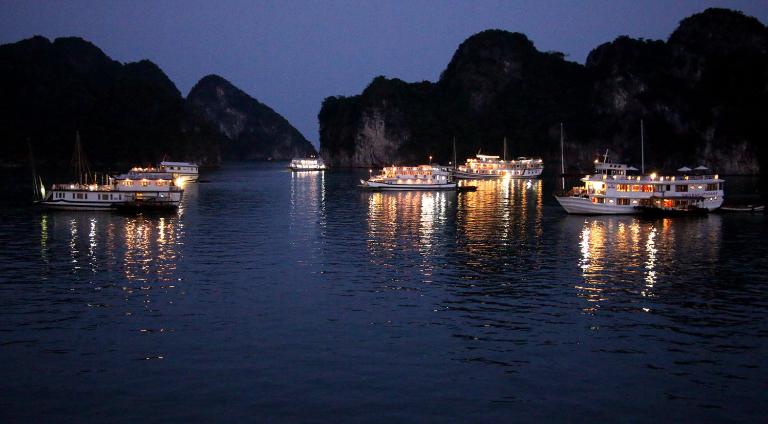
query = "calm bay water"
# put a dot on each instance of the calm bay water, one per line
(275, 296)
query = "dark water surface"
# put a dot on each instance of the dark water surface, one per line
(274, 296)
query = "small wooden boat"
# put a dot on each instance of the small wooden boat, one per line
(743, 208)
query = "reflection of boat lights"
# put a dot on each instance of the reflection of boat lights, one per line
(650, 264)
(44, 237)
(584, 242)
(73, 243)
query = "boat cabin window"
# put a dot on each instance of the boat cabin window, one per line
(622, 201)
(681, 188)
(712, 186)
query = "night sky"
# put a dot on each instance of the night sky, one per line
(292, 54)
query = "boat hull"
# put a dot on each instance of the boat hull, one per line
(584, 206)
(64, 205)
(294, 169)
(407, 187)
(475, 176)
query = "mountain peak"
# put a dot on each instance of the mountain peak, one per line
(254, 130)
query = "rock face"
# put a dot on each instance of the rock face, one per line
(701, 96)
(252, 129)
(126, 114)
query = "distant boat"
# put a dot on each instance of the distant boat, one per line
(307, 164)
(422, 177)
(492, 167)
(187, 171)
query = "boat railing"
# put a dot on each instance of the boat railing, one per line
(83, 187)
(657, 179)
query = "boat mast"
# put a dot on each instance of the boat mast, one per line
(642, 148)
(79, 164)
(454, 152)
(35, 179)
(505, 148)
(562, 157)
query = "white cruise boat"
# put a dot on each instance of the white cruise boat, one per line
(489, 167)
(610, 190)
(131, 191)
(187, 171)
(307, 164)
(422, 177)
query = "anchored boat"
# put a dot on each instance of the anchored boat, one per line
(187, 171)
(611, 190)
(134, 190)
(483, 167)
(422, 177)
(307, 164)
(489, 167)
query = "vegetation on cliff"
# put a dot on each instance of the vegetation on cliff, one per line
(252, 129)
(126, 114)
(700, 95)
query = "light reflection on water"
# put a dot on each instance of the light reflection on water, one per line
(299, 289)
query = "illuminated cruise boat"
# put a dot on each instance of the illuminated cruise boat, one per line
(134, 190)
(610, 190)
(489, 167)
(307, 164)
(422, 177)
(187, 171)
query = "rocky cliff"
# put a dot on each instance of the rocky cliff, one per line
(700, 94)
(252, 129)
(126, 113)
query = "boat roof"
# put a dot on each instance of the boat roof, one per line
(487, 156)
(434, 165)
(610, 165)
(145, 176)
(177, 163)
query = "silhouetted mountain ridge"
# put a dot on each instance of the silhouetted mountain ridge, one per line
(127, 114)
(701, 96)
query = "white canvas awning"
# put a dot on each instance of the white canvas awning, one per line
(684, 169)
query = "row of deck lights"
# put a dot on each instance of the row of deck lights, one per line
(653, 177)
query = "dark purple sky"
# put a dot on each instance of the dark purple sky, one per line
(292, 54)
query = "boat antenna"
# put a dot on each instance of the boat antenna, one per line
(562, 157)
(642, 148)
(605, 158)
